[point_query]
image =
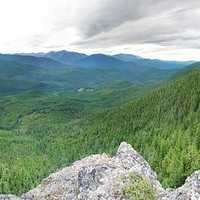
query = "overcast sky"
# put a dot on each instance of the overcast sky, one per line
(166, 29)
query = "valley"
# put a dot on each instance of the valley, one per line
(46, 123)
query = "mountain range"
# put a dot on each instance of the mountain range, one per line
(53, 113)
(69, 57)
(63, 70)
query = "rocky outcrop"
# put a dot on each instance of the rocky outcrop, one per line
(189, 191)
(9, 197)
(101, 177)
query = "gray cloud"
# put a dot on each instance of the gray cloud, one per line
(165, 23)
(108, 14)
(134, 26)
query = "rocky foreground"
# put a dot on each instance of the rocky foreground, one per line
(126, 176)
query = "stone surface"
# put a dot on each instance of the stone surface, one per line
(9, 197)
(189, 191)
(101, 177)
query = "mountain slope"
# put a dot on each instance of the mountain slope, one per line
(19, 74)
(65, 57)
(15, 77)
(53, 131)
(94, 71)
(127, 57)
(47, 63)
(163, 125)
(120, 70)
(159, 64)
(100, 61)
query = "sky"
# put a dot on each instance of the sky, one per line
(164, 29)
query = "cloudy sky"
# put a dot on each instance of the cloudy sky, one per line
(166, 29)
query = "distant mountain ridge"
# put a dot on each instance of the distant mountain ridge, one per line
(31, 60)
(65, 57)
(99, 61)
(74, 58)
(161, 64)
(127, 57)
(64, 70)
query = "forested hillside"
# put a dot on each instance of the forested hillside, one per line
(20, 73)
(40, 133)
(164, 126)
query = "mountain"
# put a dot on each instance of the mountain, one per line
(114, 69)
(127, 175)
(76, 58)
(15, 77)
(22, 73)
(127, 57)
(159, 64)
(95, 71)
(100, 61)
(128, 69)
(188, 69)
(47, 63)
(65, 57)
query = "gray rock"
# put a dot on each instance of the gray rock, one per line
(9, 197)
(131, 160)
(101, 177)
(189, 191)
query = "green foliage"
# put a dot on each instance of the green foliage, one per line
(54, 131)
(163, 126)
(138, 189)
